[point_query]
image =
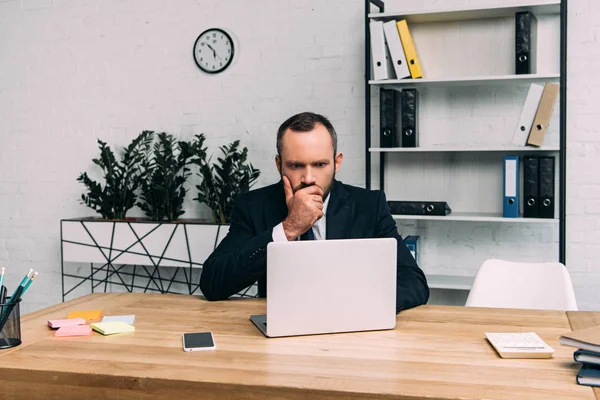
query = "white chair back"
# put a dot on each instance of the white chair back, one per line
(506, 284)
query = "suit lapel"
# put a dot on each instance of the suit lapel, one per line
(340, 213)
(279, 209)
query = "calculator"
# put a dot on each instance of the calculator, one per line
(520, 345)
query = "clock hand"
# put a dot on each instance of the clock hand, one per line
(213, 50)
(215, 55)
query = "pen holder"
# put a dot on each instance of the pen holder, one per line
(10, 324)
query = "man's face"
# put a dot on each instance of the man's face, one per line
(307, 159)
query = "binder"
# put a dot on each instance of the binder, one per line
(410, 117)
(546, 190)
(410, 51)
(388, 134)
(439, 208)
(382, 68)
(543, 114)
(531, 198)
(528, 114)
(511, 187)
(525, 43)
(392, 38)
(411, 243)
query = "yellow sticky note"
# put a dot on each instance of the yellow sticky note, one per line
(88, 315)
(110, 328)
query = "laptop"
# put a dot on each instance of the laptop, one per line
(329, 286)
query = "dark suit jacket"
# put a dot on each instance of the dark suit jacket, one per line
(352, 213)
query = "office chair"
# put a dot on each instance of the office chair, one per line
(506, 284)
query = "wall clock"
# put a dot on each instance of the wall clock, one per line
(213, 51)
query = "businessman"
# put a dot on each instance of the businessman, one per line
(307, 204)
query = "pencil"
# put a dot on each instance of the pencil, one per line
(29, 283)
(19, 288)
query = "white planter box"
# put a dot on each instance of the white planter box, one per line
(164, 244)
(130, 255)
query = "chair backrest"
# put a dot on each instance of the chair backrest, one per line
(506, 284)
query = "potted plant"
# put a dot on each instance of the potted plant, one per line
(131, 252)
(223, 181)
(122, 179)
(166, 170)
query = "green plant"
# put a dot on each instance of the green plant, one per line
(122, 178)
(222, 182)
(166, 170)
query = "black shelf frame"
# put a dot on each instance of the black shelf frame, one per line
(562, 153)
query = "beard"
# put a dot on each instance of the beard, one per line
(326, 188)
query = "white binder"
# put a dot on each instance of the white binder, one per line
(397, 55)
(528, 114)
(382, 68)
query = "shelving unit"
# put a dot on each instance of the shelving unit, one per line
(463, 81)
(462, 149)
(445, 165)
(453, 282)
(477, 217)
(537, 7)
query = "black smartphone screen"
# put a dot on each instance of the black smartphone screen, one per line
(196, 340)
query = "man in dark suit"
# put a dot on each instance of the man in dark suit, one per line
(308, 203)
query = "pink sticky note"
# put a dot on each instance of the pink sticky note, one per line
(58, 323)
(78, 330)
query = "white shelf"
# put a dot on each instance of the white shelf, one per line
(464, 81)
(460, 149)
(476, 217)
(458, 14)
(450, 282)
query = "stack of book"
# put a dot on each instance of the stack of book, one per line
(588, 354)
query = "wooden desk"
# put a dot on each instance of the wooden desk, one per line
(435, 352)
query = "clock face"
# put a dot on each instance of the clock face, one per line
(213, 51)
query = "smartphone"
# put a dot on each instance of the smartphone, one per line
(198, 341)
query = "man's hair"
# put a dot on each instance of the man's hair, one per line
(305, 122)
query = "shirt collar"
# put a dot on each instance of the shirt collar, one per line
(326, 203)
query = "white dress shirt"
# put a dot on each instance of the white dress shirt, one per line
(318, 228)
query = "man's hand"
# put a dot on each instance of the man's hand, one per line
(305, 207)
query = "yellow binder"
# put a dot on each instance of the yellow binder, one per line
(409, 50)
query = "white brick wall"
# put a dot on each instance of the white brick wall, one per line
(72, 71)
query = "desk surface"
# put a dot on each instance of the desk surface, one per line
(435, 352)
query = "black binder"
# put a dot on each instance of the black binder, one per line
(531, 199)
(525, 42)
(419, 207)
(388, 136)
(546, 191)
(410, 117)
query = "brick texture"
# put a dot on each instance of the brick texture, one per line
(72, 71)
